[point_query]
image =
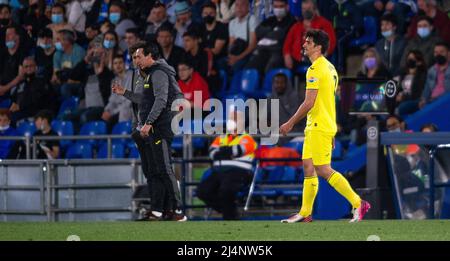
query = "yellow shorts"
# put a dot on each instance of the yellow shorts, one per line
(318, 146)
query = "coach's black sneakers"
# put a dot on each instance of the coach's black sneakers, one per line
(176, 215)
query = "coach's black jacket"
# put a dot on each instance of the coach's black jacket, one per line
(160, 91)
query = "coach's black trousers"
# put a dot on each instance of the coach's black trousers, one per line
(219, 191)
(156, 166)
(165, 194)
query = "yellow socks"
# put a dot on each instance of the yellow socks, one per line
(341, 185)
(310, 188)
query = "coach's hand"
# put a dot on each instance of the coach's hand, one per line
(145, 130)
(286, 128)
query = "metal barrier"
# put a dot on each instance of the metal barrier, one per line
(64, 188)
(20, 138)
(437, 141)
(53, 179)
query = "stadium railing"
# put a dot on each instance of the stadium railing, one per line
(411, 154)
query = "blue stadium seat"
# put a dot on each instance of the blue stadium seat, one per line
(93, 128)
(26, 128)
(267, 85)
(63, 128)
(67, 107)
(296, 145)
(117, 151)
(249, 82)
(273, 178)
(132, 151)
(337, 152)
(122, 128)
(370, 33)
(235, 83)
(79, 150)
(5, 104)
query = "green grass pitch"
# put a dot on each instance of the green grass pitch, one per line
(386, 230)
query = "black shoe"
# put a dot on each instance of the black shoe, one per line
(176, 215)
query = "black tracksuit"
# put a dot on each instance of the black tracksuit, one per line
(159, 92)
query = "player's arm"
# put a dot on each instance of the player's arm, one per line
(302, 111)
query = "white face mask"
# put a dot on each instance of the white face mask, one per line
(3, 128)
(279, 12)
(231, 126)
(42, 127)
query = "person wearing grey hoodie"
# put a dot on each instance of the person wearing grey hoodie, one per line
(149, 167)
(155, 116)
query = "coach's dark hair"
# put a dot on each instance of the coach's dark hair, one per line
(319, 37)
(151, 48)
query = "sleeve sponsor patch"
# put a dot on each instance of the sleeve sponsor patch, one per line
(312, 79)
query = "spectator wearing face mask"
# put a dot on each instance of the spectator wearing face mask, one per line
(438, 76)
(424, 41)
(270, 35)
(59, 21)
(215, 38)
(111, 46)
(411, 83)
(44, 54)
(440, 20)
(118, 17)
(372, 67)
(391, 46)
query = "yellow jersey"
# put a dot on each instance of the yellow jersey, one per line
(322, 76)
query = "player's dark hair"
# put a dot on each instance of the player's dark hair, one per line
(319, 37)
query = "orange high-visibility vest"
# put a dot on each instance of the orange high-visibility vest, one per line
(248, 145)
